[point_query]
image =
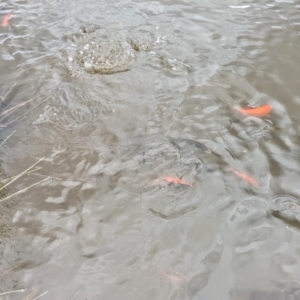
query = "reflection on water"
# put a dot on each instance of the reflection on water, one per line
(159, 188)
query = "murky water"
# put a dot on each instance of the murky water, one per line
(159, 188)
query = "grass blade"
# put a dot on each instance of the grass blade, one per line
(76, 295)
(40, 295)
(27, 173)
(28, 297)
(7, 112)
(7, 138)
(17, 177)
(15, 291)
(3, 98)
(24, 190)
(26, 112)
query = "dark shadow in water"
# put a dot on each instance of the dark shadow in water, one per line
(288, 220)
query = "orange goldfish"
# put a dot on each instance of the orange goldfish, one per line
(244, 176)
(5, 21)
(256, 111)
(175, 277)
(172, 180)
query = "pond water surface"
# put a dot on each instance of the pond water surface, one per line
(153, 185)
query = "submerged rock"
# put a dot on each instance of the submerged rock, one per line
(105, 57)
(97, 50)
(140, 43)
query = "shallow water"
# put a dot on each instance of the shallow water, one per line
(124, 93)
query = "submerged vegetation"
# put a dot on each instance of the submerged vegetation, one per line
(6, 228)
(4, 115)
